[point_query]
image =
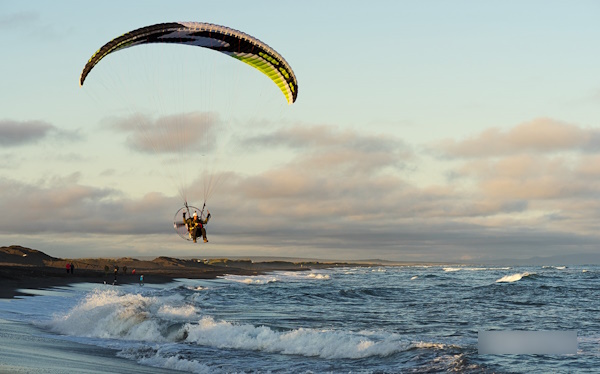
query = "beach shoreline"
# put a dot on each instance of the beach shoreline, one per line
(53, 355)
(24, 268)
(15, 279)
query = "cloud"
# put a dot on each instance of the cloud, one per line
(21, 133)
(305, 136)
(341, 194)
(169, 134)
(329, 165)
(334, 194)
(9, 161)
(63, 205)
(14, 133)
(553, 179)
(18, 20)
(541, 135)
(328, 147)
(546, 182)
(328, 194)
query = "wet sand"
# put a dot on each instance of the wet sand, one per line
(27, 349)
(25, 268)
(16, 279)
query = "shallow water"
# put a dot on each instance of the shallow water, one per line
(381, 319)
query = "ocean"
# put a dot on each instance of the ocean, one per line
(405, 319)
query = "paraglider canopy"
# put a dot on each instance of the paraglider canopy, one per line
(177, 130)
(232, 42)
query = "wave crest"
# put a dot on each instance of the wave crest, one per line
(514, 277)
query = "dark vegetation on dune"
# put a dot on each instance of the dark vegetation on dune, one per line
(22, 268)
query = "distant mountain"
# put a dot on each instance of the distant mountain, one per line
(570, 259)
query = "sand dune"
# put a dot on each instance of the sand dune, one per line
(22, 267)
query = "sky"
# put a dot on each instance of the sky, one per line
(442, 131)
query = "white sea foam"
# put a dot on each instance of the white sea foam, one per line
(427, 345)
(554, 267)
(185, 311)
(452, 269)
(177, 363)
(195, 288)
(110, 314)
(318, 276)
(283, 276)
(166, 359)
(306, 342)
(513, 277)
(257, 279)
(229, 329)
(302, 275)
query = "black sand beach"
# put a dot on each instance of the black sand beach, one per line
(27, 349)
(22, 268)
(15, 279)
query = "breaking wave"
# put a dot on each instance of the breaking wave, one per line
(514, 277)
(111, 314)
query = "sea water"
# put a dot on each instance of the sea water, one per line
(409, 319)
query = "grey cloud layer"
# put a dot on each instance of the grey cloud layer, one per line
(63, 205)
(538, 136)
(14, 133)
(350, 194)
(169, 134)
(546, 170)
(20, 133)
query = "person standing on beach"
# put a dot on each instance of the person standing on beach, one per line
(142, 280)
(72, 268)
(68, 267)
(116, 271)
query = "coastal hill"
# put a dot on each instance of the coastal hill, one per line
(22, 267)
(18, 256)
